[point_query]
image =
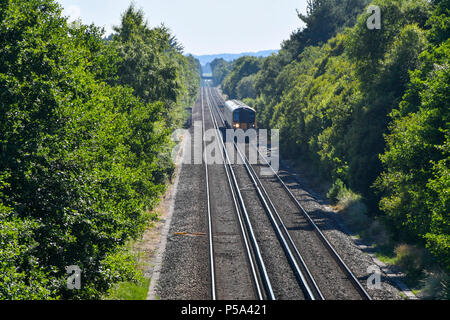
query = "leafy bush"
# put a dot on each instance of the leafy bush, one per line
(336, 190)
(411, 259)
(241, 68)
(436, 286)
(220, 69)
(368, 109)
(82, 148)
(415, 182)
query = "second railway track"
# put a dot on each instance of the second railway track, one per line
(316, 269)
(275, 275)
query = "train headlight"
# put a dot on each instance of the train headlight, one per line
(237, 125)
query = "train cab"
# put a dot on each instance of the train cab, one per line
(239, 116)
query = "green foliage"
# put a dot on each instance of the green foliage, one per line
(130, 291)
(246, 87)
(382, 84)
(336, 190)
(21, 276)
(324, 20)
(242, 68)
(370, 49)
(416, 180)
(220, 69)
(150, 62)
(143, 66)
(411, 259)
(437, 286)
(84, 147)
(332, 103)
(367, 108)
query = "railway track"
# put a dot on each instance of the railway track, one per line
(305, 272)
(261, 277)
(304, 279)
(260, 282)
(208, 201)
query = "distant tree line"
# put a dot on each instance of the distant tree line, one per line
(85, 126)
(369, 108)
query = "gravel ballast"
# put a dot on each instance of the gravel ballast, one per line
(185, 269)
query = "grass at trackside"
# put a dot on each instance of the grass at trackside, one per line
(135, 290)
(386, 254)
(129, 291)
(423, 275)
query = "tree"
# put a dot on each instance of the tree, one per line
(83, 148)
(220, 69)
(144, 66)
(246, 87)
(415, 182)
(324, 19)
(242, 67)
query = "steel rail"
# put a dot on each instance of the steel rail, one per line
(280, 229)
(210, 237)
(357, 285)
(257, 252)
(317, 292)
(242, 227)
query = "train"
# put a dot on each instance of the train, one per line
(238, 115)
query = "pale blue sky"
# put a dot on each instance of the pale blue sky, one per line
(204, 26)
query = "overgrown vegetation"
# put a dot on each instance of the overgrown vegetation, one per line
(239, 82)
(220, 69)
(369, 110)
(84, 142)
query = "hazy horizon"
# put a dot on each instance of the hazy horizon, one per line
(232, 53)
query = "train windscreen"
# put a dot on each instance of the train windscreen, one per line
(236, 116)
(247, 116)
